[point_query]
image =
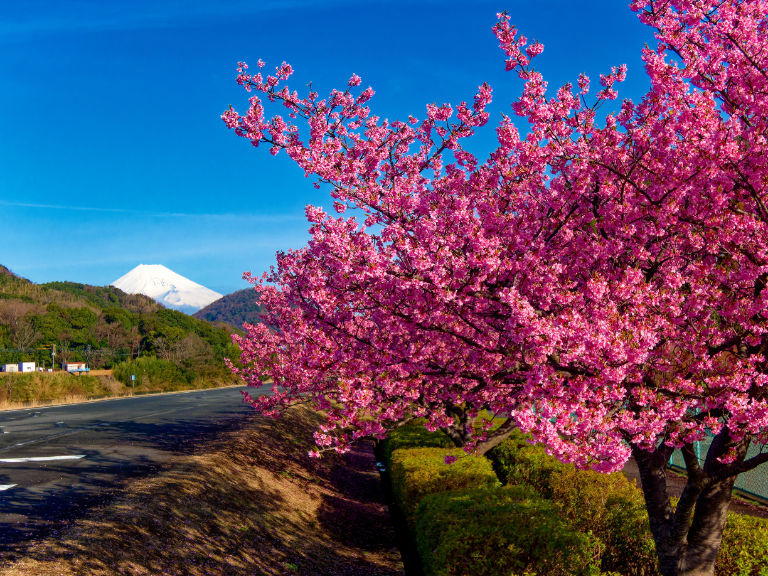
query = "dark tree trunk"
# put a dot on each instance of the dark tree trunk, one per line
(457, 435)
(458, 431)
(706, 530)
(496, 437)
(688, 537)
(653, 480)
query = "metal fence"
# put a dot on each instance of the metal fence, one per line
(753, 483)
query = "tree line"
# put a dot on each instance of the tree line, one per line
(102, 326)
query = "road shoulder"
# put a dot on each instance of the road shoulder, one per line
(250, 502)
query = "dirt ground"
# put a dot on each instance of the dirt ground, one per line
(250, 503)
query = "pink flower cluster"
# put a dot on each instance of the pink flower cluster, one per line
(602, 284)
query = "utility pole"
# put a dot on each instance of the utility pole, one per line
(53, 356)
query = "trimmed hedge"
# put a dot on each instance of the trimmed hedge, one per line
(492, 531)
(413, 435)
(549, 518)
(607, 505)
(516, 461)
(613, 508)
(417, 472)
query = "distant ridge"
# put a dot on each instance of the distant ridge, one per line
(6, 272)
(166, 287)
(234, 309)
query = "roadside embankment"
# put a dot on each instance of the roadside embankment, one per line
(251, 502)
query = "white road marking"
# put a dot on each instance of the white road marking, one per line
(40, 459)
(6, 486)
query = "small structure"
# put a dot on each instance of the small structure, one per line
(10, 367)
(26, 366)
(75, 367)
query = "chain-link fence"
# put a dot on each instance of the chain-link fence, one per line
(753, 483)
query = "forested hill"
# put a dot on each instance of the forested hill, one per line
(102, 326)
(234, 309)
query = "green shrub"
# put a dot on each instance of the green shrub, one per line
(413, 435)
(744, 550)
(606, 505)
(499, 531)
(416, 472)
(152, 375)
(613, 509)
(518, 462)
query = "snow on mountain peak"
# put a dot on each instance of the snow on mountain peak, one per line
(166, 287)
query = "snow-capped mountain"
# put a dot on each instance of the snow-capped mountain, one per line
(166, 287)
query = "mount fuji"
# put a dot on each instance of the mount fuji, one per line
(166, 287)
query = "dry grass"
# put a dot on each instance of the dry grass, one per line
(33, 389)
(47, 389)
(68, 399)
(249, 503)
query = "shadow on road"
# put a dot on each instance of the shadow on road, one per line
(249, 503)
(143, 449)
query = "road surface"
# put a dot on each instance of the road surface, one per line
(58, 462)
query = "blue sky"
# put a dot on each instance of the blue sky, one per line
(112, 152)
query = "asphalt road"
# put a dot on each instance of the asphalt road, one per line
(58, 462)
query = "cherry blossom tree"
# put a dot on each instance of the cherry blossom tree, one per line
(597, 283)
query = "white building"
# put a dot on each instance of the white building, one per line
(74, 366)
(26, 366)
(10, 367)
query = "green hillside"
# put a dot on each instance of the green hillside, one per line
(104, 327)
(235, 309)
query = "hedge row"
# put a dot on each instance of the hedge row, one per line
(607, 505)
(548, 518)
(465, 523)
(413, 435)
(416, 472)
(492, 531)
(613, 508)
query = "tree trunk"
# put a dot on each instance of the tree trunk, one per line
(497, 436)
(688, 538)
(653, 480)
(706, 531)
(459, 435)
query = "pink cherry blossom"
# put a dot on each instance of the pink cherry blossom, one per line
(600, 285)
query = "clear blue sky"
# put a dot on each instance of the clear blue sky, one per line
(112, 152)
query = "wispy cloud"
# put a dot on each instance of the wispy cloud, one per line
(277, 218)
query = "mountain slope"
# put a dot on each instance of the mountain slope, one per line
(103, 326)
(166, 287)
(235, 309)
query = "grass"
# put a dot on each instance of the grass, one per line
(47, 388)
(251, 502)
